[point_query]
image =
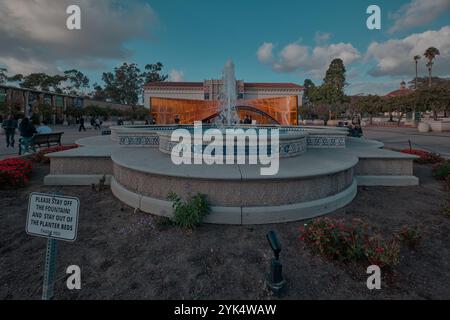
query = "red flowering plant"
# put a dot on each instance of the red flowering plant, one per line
(336, 239)
(385, 254)
(14, 172)
(425, 157)
(333, 239)
(40, 156)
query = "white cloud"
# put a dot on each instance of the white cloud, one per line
(312, 61)
(34, 34)
(322, 37)
(176, 75)
(292, 57)
(395, 57)
(418, 13)
(265, 52)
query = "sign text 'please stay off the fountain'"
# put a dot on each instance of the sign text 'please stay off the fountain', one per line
(53, 216)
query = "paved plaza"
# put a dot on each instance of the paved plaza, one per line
(398, 138)
(70, 135)
(393, 138)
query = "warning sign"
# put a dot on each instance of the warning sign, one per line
(53, 216)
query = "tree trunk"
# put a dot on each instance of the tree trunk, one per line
(429, 76)
(400, 119)
(416, 76)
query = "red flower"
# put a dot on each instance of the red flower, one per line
(379, 250)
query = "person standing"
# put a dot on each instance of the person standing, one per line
(10, 126)
(27, 131)
(81, 125)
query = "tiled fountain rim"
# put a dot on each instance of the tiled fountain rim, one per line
(159, 165)
(149, 136)
(158, 128)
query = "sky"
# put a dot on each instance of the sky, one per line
(269, 41)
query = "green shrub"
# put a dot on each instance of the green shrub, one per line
(442, 170)
(189, 214)
(411, 236)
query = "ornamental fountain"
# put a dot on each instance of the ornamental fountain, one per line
(320, 169)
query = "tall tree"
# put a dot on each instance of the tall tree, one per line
(435, 98)
(423, 82)
(42, 81)
(329, 97)
(3, 76)
(98, 93)
(124, 85)
(416, 61)
(431, 54)
(153, 73)
(308, 86)
(335, 75)
(76, 82)
(371, 104)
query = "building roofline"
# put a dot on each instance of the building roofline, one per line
(173, 84)
(399, 92)
(40, 91)
(246, 84)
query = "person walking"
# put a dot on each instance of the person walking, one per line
(81, 127)
(27, 131)
(97, 124)
(10, 126)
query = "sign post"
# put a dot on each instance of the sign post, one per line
(50, 269)
(54, 217)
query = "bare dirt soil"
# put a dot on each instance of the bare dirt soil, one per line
(127, 255)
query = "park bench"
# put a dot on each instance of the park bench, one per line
(43, 139)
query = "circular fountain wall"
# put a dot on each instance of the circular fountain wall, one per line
(315, 176)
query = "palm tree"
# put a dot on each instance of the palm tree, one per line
(431, 54)
(416, 60)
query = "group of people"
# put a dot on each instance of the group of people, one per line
(26, 129)
(248, 120)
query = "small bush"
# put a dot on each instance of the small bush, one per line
(382, 253)
(447, 211)
(333, 239)
(411, 236)
(441, 171)
(425, 157)
(189, 214)
(14, 172)
(348, 242)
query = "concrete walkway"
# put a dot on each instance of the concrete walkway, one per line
(397, 138)
(70, 135)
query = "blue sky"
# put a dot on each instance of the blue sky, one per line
(194, 38)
